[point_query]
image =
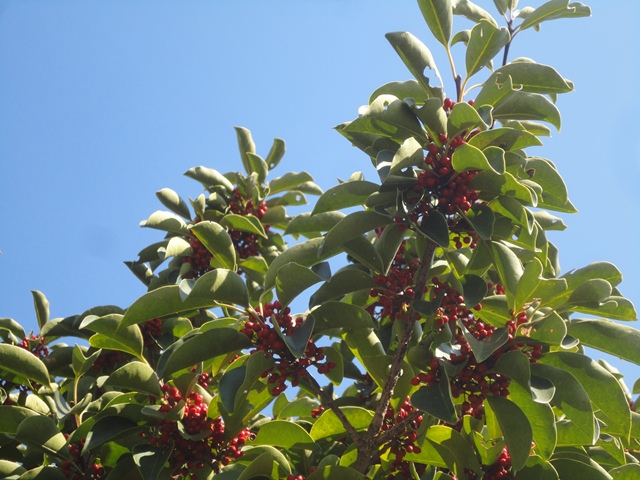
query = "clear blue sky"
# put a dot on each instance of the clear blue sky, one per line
(102, 103)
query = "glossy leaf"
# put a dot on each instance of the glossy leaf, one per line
(439, 17)
(23, 363)
(506, 138)
(42, 433)
(528, 106)
(550, 329)
(289, 181)
(529, 76)
(352, 226)
(11, 416)
(12, 470)
(362, 250)
(579, 469)
(410, 154)
(150, 459)
(112, 335)
(270, 464)
(515, 428)
(402, 90)
(81, 364)
(482, 219)
(509, 268)
(107, 429)
(332, 315)
(468, 157)
(276, 153)
(435, 228)
(463, 117)
(281, 433)
(485, 42)
(347, 280)
(245, 146)
(472, 11)
(244, 223)
(474, 289)
(538, 469)
(483, 349)
(45, 472)
(433, 117)
(329, 427)
(344, 195)
(204, 346)
(607, 336)
(453, 449)
(218, 242)
(555, 9)
(602, 387)
(41, 305)
(336, 472)
(630, 471)
(169, 222)
(436, 400)
(417, 58)
(306, 223)
(292, 280)
(137, 377)
(211, 289)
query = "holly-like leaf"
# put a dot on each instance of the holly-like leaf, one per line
(485, 42)
(417, 58)
(169, 222)
(344, 281)
(435, 228)
(306, 223)
(106, 429)
(439, 17)
(509, 268)
(453, 448)
(474, 289)
(529, 76)
(483, 349)
(506, 138)
(344, 195)
(472, 11)
(289, 181)
(218, 242)
(270, 464)
(150, 459)
(482, 219)
(402, 90)
(11, 416)
(468, 157)
(335, 472)
(23, 363)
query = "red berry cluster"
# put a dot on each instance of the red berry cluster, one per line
(266, 339)
(395, 290)
(316, 412)
(405, 441)
(35, 344)
(197, 439)
(501, 468)
(109, 361)
(151, 330)
(76, 468)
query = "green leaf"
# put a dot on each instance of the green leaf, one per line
(12, 470)
(329, 427)
(439, 17)
(485, 42)
(607, 336)
(509, 268)
(528, 106)
(168, 222)
(402, 90)
(453, 449)
(170, 199)
(81, 364)
(502, 6)
(42, 433)
(335, 472)
(410, 154)
(436, 400)
(41, 305)
(435, 228)
(150, 459)
(529, 76)
(292, 280)
(463, 117)
(284, 434)
(482, 219)
(43, 473)
(347, 280)
(218, 242)
(209, 178)
(306, 223)
(213, 288)
(258, 166)
(330, 315)
(352, 226)
(107, 429)
(137, 377)
(577, 469)
(417, 57)
(245, 145)
(555, 9)
(11, 416)
(363, 251)
(550, 329)
(344, 195)
(630, 471)
(23, 363)
(515, 428)
(572, 399)
(433, 117)
(506, 138)
(472, 11)
(468, 157)
(276, 153)
(288, 181)
(390, 117)
(603, 389)
(11, 326)
(492, 185)
(538, 469)
(267, 465)
(528, 283)
(244, 223)
(113, 335)
(474, 289)
(546, 175)
(203, 346)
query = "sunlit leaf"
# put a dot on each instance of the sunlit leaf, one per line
(328, 426)
(439, 17)
(344, 195)
(23, 363)
(281, 433)
(485, 42)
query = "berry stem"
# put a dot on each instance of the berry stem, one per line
(371, 441)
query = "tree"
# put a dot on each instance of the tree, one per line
(445, 345)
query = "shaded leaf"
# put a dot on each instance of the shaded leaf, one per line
(515, 428)
(607, 336)
(528, 106)
(435, 228)
(136, 376)
(23, 363)
(107, 429)
(42, 433)
(218, 242)
(344, 281)
(553, 10)
(332, 315)
(529, 76)
(344, 195)
(150, 459)
(112, 335)
(244, 223)
(436, 400)
(292, 280)
(402, 90)
(41, 305)
(306, 223)
(506, 138)
(170, 199)
(485, 42)
(169, 222)
(352, 226)
(439, 17)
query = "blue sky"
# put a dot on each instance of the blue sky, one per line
(104, 103)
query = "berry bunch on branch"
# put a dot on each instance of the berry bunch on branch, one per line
(436, 337)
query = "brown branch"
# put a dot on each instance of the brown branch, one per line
(397, 428)
(330, 402)
(371, 441)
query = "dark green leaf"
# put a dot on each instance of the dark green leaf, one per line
(46, 472)
(336, 472)
(107, 429)
(453, 448)
(481, 218)
(244, 223)
(41, 305)
(137, 377)
(417, 57)
(331, 315)
(474, 289)
(410, 154)
(276, 153)
(209, 178)
(352, 226)
(541, 418)
(306, 223)
(80, 363)
(436, 400)
(271, 464)
(576, 469)
(344, 195)
(363, 251)
(463, 117)
(630, 471)
(509, 268)
(11, 416)
(538, 469)
(23, 363)
(12, 470)
(292, 280)
(344, 281)
(468, 157)
(435, 228)
(492, 184)
(506, 138)
(218, 242)
(607, 336)
(515, 428)
(485, 42)
(42, 433)
(483, 349)
(204, 346)
(113, 335)
(439, 17)
(550, 329)
(169, 222)
(150, 459)
(258, 166)
(433, 117)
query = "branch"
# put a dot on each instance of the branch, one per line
(330, 402)
(397, 428)
(371, 442)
